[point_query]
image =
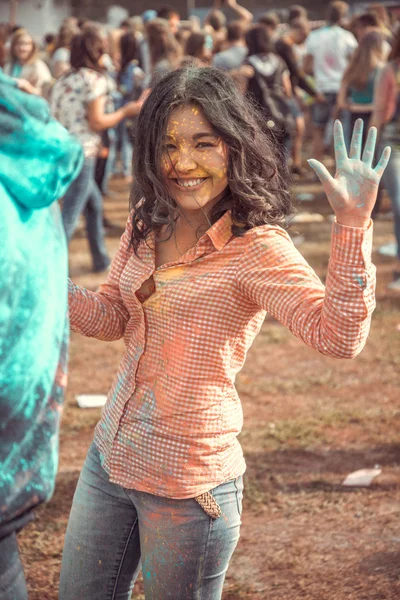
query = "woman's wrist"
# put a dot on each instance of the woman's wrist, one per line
(122, 112)
(362, 222)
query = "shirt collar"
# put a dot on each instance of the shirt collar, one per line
(221, 232)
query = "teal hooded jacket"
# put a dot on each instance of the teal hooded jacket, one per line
(38, 161)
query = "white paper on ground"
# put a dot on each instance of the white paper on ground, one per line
(363, 477)
(91, 400)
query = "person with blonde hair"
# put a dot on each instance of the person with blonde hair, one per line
(25, 65)
(382, 15)
(356, 92)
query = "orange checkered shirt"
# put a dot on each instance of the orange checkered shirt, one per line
(172, 417)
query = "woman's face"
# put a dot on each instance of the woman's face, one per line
(195, 160)
(23, 48)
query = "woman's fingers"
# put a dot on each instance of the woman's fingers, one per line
(340, 146)
(369, 150)
(383, 161)
(356, 139)
(322, 172)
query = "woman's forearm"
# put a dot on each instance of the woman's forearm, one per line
(99, 122)
(101, 315)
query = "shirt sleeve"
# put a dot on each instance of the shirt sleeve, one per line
(40, 75)
(103, 314)
(61, 55)
(334, 320)
(96, 86)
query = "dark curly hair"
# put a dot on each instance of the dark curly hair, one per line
(257, 191)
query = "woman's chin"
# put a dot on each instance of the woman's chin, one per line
(186, 202)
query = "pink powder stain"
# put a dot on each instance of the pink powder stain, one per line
(331, 61)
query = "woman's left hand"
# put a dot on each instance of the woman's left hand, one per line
(27, 87)
(352, 192)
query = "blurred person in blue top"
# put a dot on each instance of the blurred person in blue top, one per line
(356, 92)
(38, 161)
(130, 82)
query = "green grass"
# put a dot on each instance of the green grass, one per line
(308, 431)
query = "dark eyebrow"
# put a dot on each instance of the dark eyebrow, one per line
(200, 135)
(197, 136)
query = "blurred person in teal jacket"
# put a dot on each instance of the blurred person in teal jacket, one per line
(38, 161)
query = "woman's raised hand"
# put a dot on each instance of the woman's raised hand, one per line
(352, 192)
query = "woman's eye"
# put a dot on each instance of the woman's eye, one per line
(169, 147)
(205, 145)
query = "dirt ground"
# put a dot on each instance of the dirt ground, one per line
(308, 422)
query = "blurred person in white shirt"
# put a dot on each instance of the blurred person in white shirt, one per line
(328, 50)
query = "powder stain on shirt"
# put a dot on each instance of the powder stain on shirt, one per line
(175, 422)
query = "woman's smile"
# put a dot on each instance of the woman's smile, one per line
(190, 185)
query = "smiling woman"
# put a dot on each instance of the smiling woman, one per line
(202, 260)
(249, 179)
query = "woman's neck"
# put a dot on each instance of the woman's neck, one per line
(196, 222)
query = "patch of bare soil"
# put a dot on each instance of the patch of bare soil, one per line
(308, 422)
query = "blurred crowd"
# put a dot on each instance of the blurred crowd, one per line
(301, 74)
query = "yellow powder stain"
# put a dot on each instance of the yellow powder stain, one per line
(154, 301)
(99, 562)
(79, 547)
(172, 273)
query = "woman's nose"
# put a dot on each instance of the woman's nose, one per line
(185, 161)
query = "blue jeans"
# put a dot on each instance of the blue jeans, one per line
(321, 112)
(123, 143)
(83, 196)
(113, 531)
(12, 578)
(112, 157)
(391, 180)
(126, 149)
